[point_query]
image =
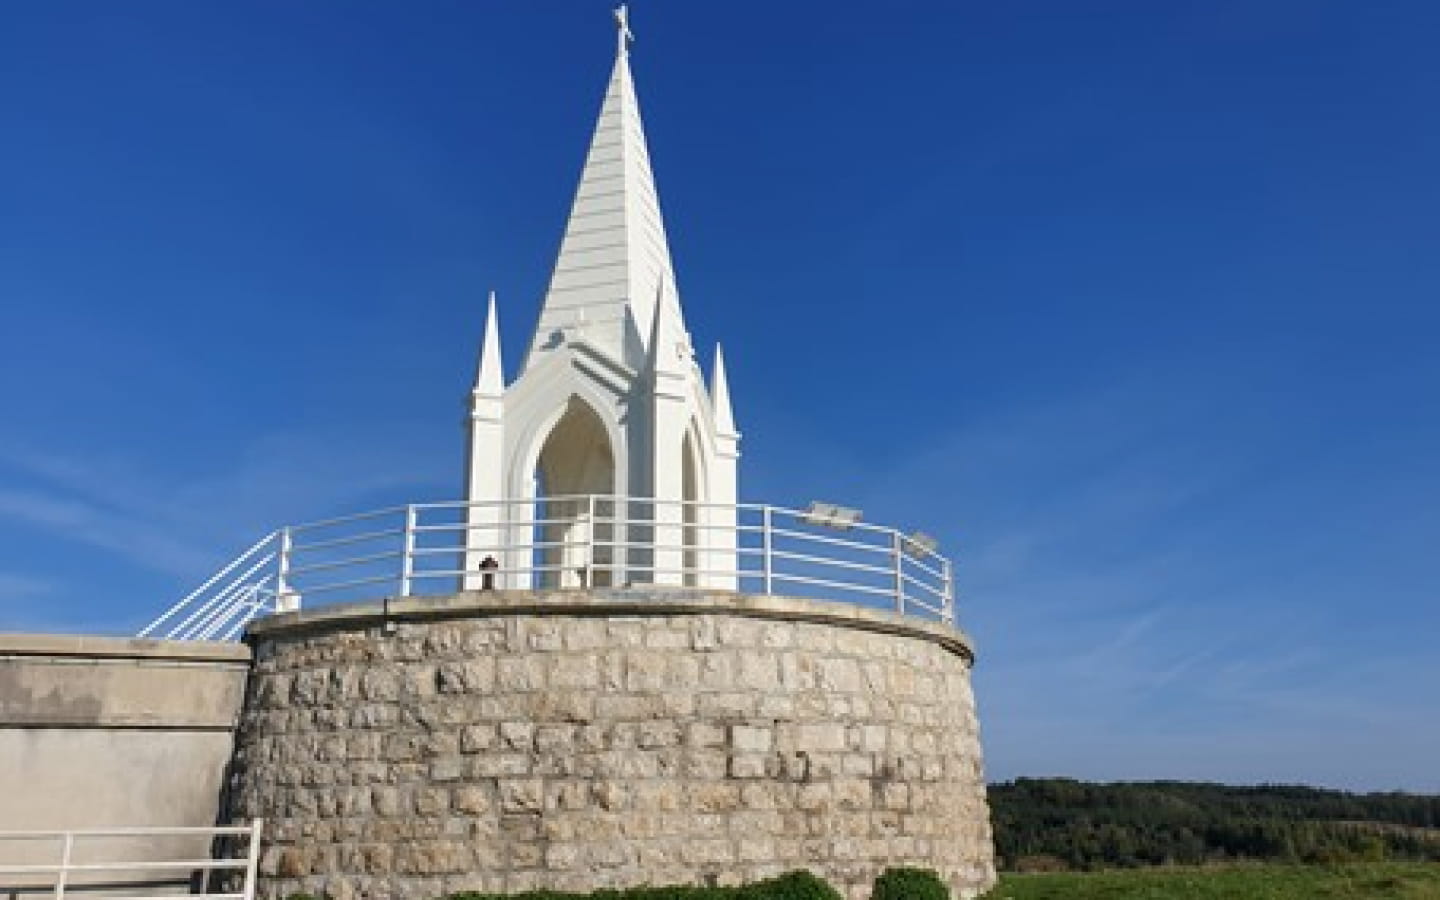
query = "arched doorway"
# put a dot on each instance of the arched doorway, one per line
(574, 534)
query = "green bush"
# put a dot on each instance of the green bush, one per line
(797, 885)
(909, 884)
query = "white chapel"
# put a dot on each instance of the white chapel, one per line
(608, 434)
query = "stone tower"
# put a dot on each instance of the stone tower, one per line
(609, 401)
(780, 688)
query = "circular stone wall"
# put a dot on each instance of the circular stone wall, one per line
(515, 740)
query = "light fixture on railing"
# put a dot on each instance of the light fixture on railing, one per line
(830, 515)
(920, 544)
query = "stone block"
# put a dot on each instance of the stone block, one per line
(703, 633)
(757, 670)
(474, 738)
(734, 631)
(400, 746)
(611, 794)
(521, 795)
(707, 851)
(563, 856)
(776, 706)
(418, 681)
(821, 737)
(625, 631)
(666, 638)
(585, 634)
(748, 765)
(778, 635)
(555, 740)
(814, 797)
(446, 768)
(627, 707)
(797, 672)
(752, 738)
(500, 765)
(839, 675)
(646, 672)
(520, 673)
(517, 735)
(706, 765)
(431, 801)
(653, 735)
(470, 799)
(579, 671)
(704, 734)
(379, 684)
(727, 706)
(713, 797)
(471, 676)
(567, 795)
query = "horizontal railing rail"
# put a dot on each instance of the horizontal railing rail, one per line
(570, 541)
(77, 853)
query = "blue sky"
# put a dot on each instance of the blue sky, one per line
(1133, 304)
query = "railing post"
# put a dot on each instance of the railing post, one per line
(252, 859)
(897, 553)
(285, 601)
(589, 542)
(767, 566)
(407, 555)
(65, 855)
(949, 603)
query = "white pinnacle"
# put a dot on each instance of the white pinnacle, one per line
(720, 397)
(489, 377)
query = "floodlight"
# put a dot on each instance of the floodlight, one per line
(830, 515)
(818, 513)
(920, 544)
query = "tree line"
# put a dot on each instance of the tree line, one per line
(1061, 823)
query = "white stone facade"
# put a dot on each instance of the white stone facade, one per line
(609, 400)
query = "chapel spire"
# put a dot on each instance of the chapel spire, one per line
(614, 262)
(608, 404)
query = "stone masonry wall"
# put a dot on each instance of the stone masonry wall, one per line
(501, 743)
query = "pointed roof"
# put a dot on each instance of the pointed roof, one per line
(614, 259)
(720, 397)
(667, 347)
(489, 376)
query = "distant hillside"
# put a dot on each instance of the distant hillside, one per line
(1059, 823)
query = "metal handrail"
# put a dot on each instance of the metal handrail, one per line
(231, 566)
(66, 865)
(566, 541)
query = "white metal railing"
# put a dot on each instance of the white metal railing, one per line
(570, 541)
(80, 864)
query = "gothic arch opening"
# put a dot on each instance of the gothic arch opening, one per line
(574, 479)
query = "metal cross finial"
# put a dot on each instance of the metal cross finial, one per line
(622, 19)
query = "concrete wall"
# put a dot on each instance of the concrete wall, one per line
(514, 740)
(107, 732)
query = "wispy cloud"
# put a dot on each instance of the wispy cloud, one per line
(16, 588)
(181, 525)
(1133, 603)
(127, 535)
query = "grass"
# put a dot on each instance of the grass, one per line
(1382, 881)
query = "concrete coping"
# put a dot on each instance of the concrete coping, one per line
(609, 602)
(93, 647)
